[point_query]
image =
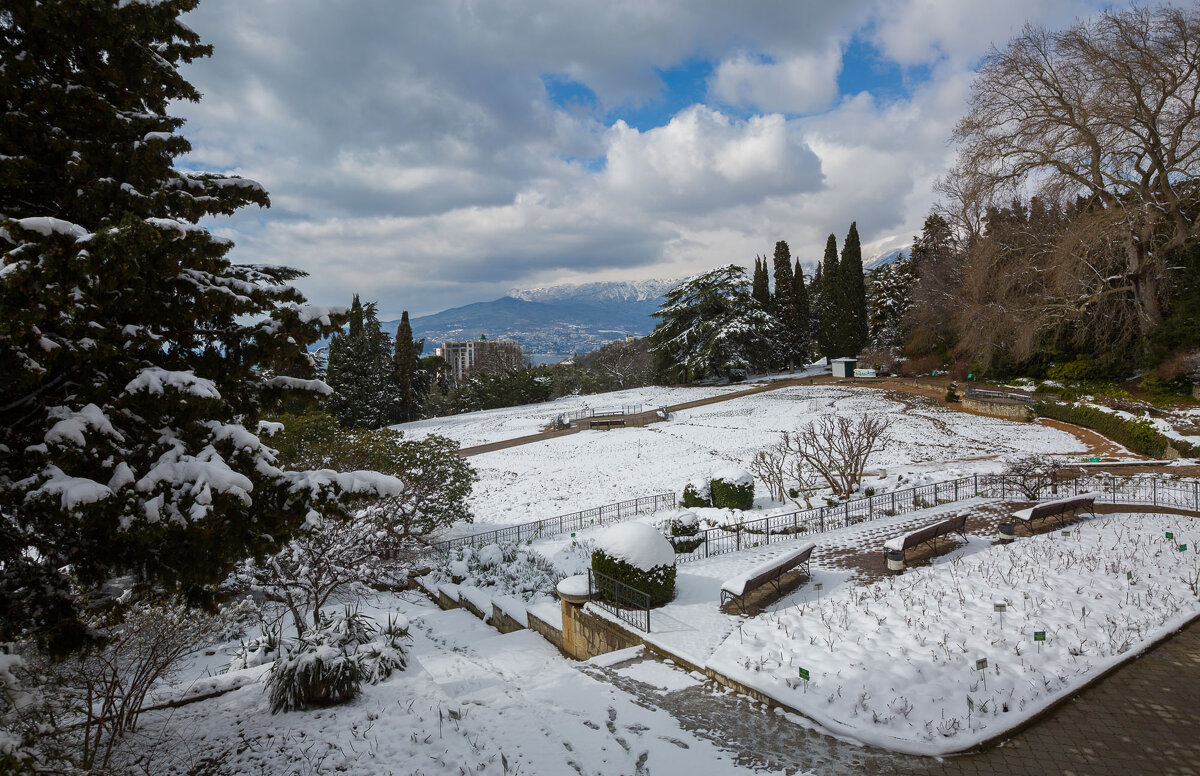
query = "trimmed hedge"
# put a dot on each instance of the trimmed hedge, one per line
(1137, 435)
(730, 495)
(684, 536)
(658, 582)
(694, 498)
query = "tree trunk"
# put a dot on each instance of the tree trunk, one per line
(1141, 271)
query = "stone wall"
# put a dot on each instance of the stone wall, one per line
(586, 635)
(547, 631)
(502, 622)
(1011, 410)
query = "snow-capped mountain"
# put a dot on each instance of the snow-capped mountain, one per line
(596, 293)
(887, 257)
(550, 323)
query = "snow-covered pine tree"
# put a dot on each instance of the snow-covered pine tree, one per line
(135, 358)
(889, 290)
(360, 371)
(856, 327)
(710, 326)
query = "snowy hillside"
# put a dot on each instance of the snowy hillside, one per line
(595, 293)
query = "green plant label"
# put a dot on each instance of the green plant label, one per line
(1039, 635)
(1170, 535)
(803, 672)
(1066, 533)
(1129, 575)
(1000, 607)
(981, 664)
(1183, 548)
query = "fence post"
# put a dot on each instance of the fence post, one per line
(956, 490)
(822, 519)
(847, 511)
(1154, 490)
(976, 484)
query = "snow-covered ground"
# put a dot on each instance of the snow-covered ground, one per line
(566, 474)
(479, 428)
(470, 701)
(924, 663)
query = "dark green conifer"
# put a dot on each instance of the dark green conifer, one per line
(135, 358)
(854, 289)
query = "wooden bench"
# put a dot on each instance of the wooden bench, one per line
(771, 572)
(1059, 508)
(927, 535)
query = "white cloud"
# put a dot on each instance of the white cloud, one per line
(413, 154)
(804, 83)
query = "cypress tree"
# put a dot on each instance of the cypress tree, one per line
(135, 358)
(792, 336)
(854, 289)
(761, 290)
(803, 312)
(833, 305)
(404, 372)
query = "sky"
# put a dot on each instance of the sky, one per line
(432, 153)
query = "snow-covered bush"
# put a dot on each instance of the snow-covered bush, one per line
(639, 556)
(696, 494)
(257, 651)
(384, 654)
(682, 531)
(503, 568)
(323, 667)
(732, 488)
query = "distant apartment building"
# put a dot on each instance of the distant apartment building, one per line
(461, 357)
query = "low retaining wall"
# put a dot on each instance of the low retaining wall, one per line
(586, 635)
(546, 630)
(1011, 410)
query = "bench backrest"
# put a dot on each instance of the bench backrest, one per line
(771, 571)
(921, 536)
(1061, 507)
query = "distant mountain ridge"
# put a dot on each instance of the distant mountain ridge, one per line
(887, 257)
(550, 323)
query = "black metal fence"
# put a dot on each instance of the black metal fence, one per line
(628, 603)
(1151, 491)
(556, 526)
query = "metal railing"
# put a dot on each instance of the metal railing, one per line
(1152, 491)
(628, 603)
(566, 419)
(995, 393)
(556, 526)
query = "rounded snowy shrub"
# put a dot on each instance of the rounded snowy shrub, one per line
(639, 556)
(683, 532)
(696, 494)
(732, 489)
(502, 569)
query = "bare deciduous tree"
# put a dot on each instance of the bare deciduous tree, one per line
(498, 356)
(1106, 110)
(1032, 474)
(837, 448)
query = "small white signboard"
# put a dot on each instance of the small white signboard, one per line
(864, 372)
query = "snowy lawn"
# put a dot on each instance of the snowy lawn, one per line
(592, 468)
(693, 626)
(895, 663)
(470, 701)
(479, 428)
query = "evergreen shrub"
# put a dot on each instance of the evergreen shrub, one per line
(658, 582)
(696, 495)
(729, 494)
(683, 532)
(1138, 435)
(322, 667)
